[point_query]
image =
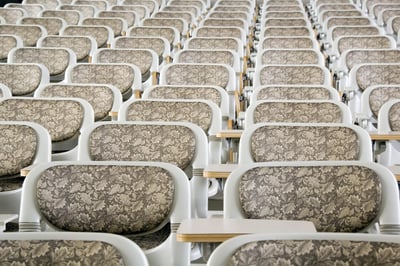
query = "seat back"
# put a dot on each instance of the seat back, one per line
(388, 119)
(8, 42)
(52, 25)
(102, 34)
(12, 15)
(289, 57)
(117, 25)
(342, 44)
(178, 23)
(207, 43)
(32, 10)
(71, 17)
(87, 11)
(286, 31)
(140, 10)
(151, 5)
(288, 42)
(130, 18)
(99, 4)
(374, 97)
(169, 33)
(29, 34)
(48, 4)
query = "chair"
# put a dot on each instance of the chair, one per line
(140, 10)
(32, 10)
(289, 248)
(117, 25)
(169, 33)
(29, 34)
(209, 31)
(62, 117)
(230, 15)
(143, 201)
(151, 5)
(345, 21)
(288, 42)
(201, 5)
(71, 17)
(87, 11)
(51, 24)
(338, 197)
(56, 60)
(287, 31)
(268, 142)
(23, 79)
(93, 248)
(105, 99)
(48, 4)
(178, 23)
(125, 77)
(23, 144)
(190, 19)
(289, 57)
(100, 5)
(8, 42)
(102, 34)
(12, 15)
(195, 11)
(130, 17)
(285, 22)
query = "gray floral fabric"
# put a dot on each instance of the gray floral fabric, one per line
(304, 143)
(380, 95)
(163, 143)
(87, 11)
(140, 11)
(20, 79)
(207, 56)
(28, 33)
(359, 42)
(18, 148)
(62, 119)
(287, 43)
(340, 13)
(334, 198)
(116, 24)
(129, 17)
(188, 74)
(316, 252)
(344, 21)
(187, 16)
(354, 30)
(105, 198)
(52, 25)
(100, 97)
(289, 57)
(284, 14)
(293, 93)
(322, 112)
(382, 74)
(149, 4)
(11, 15)
(394, 117)
(80, 45)
(285, 22)
(311, 75)
(287, 31)
(213, 22)
(56, 60)
(166, 32)
(71, 17)
(198, 113)
(58, 252)
(99, 33)
(219, 32)
(372, 56)
(154, 43)
(7, 42)
(188, 93)
(165, 22)
(213, 43)
(119, 75)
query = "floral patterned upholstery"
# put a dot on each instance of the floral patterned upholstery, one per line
(291, 93)
(198, 4)
(369, 75)
(307, 112)
(129, 17)
(354, 30)
(156, 44)
(149, 4)
(100, 5)
(187, 16)
(373, 42)
(188, 93)
(211, 43)
(20, 78)
(87, 11)
(311, 75)
(304, 143)
(71, 17)
(283, 8)
(165, 22)
(140, 11)
(381, 95)
(52, 25)
(12, 15)
(198, 113)
(355, 57)
(80, 45)
(206, 56)
(343, 21)
(335, 198)
(17, 150)
(129, 199)
(59, 252)
(119, 75)
(340, 13)
(63, 119)
(171, 144)
(219, 32)
(334, 6)
(56, 60)
(224, 23)
(289, 57)
(394, 117)
(231, 8)
(116, 24)
(286, 31)
(242, 15)
(100, 97)
(99, 33)
(28, 33)
(7, 42)
(192, 9)
(287, 43)
(313, 252)
(276, 22)
(283, 14)
(166, 32)
(186, 74)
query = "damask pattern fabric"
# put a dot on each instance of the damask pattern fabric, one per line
(394, 117)
(280, 14)
(100, 97)
(155, 44)
(219, 32)
(211, 57)
(164, 22)
(149, 4)
(373, 42)
(7, 42)
(28, 33)
(291, 75)
(20, 79)
(371, 3)
(369, 75)
(105, 198)
(121, 75)
(198, 4)
(209, 43)
(198, 113)
(114, 23)
(340, 13)
(291, 93)
(331, 7)
(140, 11)
(58, 252)
(316, 252)
(49, 4)
(11, 15)
(380, 96)
(289, 57)
(334, 198)
(87, 11)
(231, 9)
(129, 17)
(284, 22)
(185, 74)
(225, 23)
(62, 119)
(287, 43)
(304, 143)
(286, 8)
(99, 33)
(56, 60)
(80, 45)
(356, 57)
(163, 143)
(72, 17)
(18, 148)
(297, 112)
(344, 21)
(166, 32)
(52, 25)
(242, 15)
(187, 16)
(346, 31)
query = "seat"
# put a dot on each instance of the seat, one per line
(100, 5)
(268, 142)
(287, 31)
(82, 46)
(28, 33)
(209, 31)
(201, 5)
(274, 249)
(333, 21)
(289, 57)
(23, 144)
(71, 17)
(288, 42)
(23, 79)
(323, 16)
(194, 10)
(93, 248)
(102, 34)
(12, 15)
(125, 77)
(105, 99)
(151, 5)
(338, 197)
(226, 22)
(131, 18)
(190, 19)
(117, 25)
(87, 11)
(56, 60)
(285, 22)
(140, 10)
(51, 24)
(142, 201)
(379, 7)
(32, 10)
(8, 42)
(178, 23)
(230, 15)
